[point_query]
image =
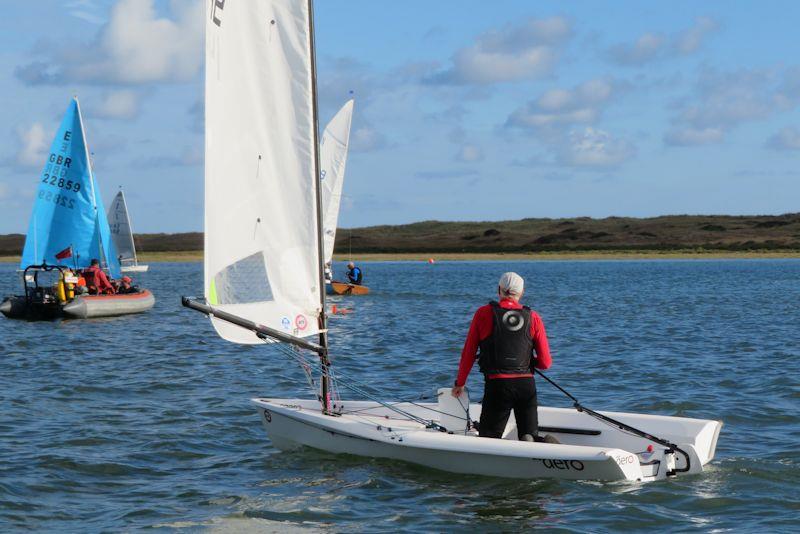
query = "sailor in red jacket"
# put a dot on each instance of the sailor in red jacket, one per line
(512, 340)
(96, 279)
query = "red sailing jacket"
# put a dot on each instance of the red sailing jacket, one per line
(96, 277)
(481, 328)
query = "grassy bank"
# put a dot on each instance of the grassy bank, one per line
(675, 236)
(688, 254)
(576, 255)
(145, 257)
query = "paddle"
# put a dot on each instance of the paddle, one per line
(671, 447)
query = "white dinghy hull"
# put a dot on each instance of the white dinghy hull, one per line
(138, 268)
(599, 452)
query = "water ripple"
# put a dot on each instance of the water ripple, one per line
(141, 422)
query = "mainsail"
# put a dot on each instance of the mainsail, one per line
(332, 158)
(121, 232)
(67, 213)
(262, 254)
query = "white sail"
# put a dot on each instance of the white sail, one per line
(261, 231)
(332, 159)
(121, 231)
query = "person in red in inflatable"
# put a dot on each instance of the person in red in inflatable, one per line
(126, 286)
(512, 341)
(96, 280)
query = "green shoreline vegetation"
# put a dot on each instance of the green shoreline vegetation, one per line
(666, 237)
(197, 256)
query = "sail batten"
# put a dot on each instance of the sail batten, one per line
(261, 229)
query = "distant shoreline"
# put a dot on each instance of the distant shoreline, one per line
(588, 255)
(669, 236)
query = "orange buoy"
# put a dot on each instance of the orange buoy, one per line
(431, 261)
(335, 310)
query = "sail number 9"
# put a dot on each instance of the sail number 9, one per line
(69, 185)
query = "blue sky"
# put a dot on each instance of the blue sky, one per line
(465, 110)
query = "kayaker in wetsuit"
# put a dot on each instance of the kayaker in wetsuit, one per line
(354, 274)
(512, 340)
(96, 280)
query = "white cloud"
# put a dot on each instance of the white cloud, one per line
(190, 156)
(582, 104)
(86, 10)
(123, 104)
(655, 46)
(593, 148)
(553, 116)
(786, 139)
(725, 100)
(469, 154)
(689, 136)
(644, 49)
(516, 52)
(134, 47)
(689, 41)
(366, 139)
(32, 142)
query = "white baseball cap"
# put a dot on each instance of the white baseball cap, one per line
(511, 283)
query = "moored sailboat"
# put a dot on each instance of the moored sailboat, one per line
(263, 277)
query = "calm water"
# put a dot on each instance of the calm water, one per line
(144, 421)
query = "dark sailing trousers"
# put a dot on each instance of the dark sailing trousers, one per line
(500, 396)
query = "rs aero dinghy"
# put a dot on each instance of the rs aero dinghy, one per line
(69, 224)
(264, 283)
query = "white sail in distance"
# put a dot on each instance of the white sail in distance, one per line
(261, 230)
(121, 231)
(332, 158)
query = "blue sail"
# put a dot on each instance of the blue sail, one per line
(65, 213)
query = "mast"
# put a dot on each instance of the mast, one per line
(323, 320)
(91, 181)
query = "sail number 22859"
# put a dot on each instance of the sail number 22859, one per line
(69, 185)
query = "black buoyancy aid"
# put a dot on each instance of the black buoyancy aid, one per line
(509, 349)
